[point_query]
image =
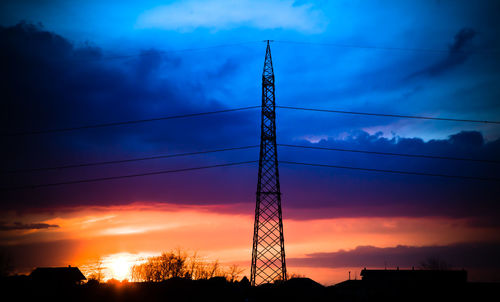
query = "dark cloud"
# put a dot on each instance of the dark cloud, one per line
(467, 139)
(50, 83)
(461, 38)
(458, 54)
(326, 192)
(25, 226)
(463, 255)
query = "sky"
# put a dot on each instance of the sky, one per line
(74, 63)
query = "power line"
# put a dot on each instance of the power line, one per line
(148, 53)
(248, 162)
(394, 154)
(124, 176)
(99, 163)
(34, 132)
(129, 122)
(430, 50)
(392, 171)
(90, 164)
(154, 52)
(390, 115)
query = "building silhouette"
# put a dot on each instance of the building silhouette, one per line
(57, 275)
(414, 276)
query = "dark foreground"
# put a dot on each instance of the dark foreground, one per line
(217, 289)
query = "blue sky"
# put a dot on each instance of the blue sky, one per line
(316, 76)
(64, 77)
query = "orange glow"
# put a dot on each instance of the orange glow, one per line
(119, 266)
(123, 235)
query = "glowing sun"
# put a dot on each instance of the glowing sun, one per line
(119, 266)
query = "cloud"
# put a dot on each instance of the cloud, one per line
(457, 55)
(50, 83)
(463, 255)
(326, 192)
(461, 38)
(223, 15)
(22, 226)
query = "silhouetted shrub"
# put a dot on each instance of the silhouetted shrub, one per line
(177, 264)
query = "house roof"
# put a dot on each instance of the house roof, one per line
(69, 273)
(414, 275)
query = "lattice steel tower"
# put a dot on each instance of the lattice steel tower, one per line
(268, 253)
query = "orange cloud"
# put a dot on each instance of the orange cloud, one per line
(85, 234)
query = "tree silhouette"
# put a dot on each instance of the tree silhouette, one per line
(435, 263)
(97, 275)
(177, 264)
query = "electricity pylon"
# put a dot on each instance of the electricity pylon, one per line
(268, 253)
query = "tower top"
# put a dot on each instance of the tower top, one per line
(268, 71)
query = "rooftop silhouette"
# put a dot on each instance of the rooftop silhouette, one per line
(414, 276)
(58, 275)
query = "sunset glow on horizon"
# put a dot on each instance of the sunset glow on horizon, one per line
(121, 236)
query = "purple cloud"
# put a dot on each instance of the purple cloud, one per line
(458, 256)
(25, 226)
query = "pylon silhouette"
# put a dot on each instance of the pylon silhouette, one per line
(268, 253)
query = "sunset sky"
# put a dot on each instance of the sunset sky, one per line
(74, 63)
